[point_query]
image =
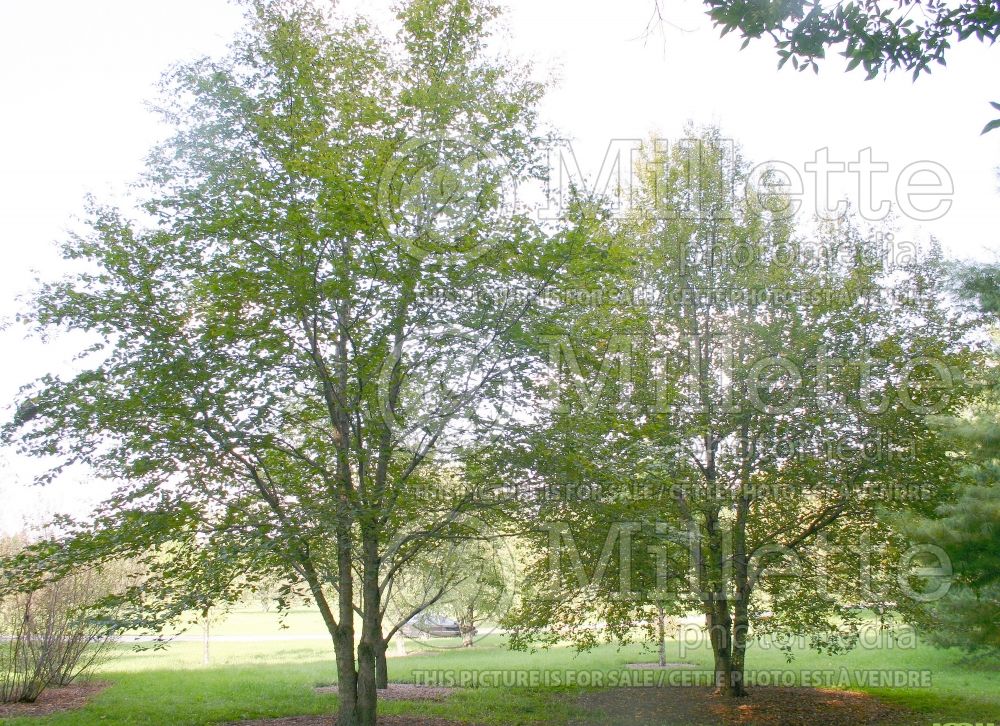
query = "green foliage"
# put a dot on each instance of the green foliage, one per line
(280, 365)
(967, 526)
(774, 402)
(878, 36)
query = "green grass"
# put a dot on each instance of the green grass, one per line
(270, 679)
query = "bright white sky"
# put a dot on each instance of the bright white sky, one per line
(76, 77)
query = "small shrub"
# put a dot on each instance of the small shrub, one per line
(47, 637)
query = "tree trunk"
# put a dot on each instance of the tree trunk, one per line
(381, 665)
(741, 625)
(716, 602)
(467, 626)
(347, 677)
(741, 575)
(661, 633)
(371, 629)
(343, 640)
(342, 632)
(206, 635)
(728, 665)
(468, 637)
(367, 690)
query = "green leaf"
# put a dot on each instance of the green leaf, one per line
(994, 124)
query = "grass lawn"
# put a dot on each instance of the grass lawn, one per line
(277, 678)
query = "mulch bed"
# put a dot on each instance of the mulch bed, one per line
(53, 700)
(765, 706)
(404, 692)
(657, 666)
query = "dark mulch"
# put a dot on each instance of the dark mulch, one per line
(765, 706)
(658, 667)
(404, 692)
(53, 700)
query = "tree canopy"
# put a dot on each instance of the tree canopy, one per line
(878, 36)
(325, 342)
(281, 370)
(965, 525)
(741, 412)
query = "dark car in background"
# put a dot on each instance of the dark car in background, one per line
(431, 625)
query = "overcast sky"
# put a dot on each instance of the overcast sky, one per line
(76, 78)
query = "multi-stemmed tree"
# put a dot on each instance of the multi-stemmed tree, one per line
(302, 320)
(775, 401)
